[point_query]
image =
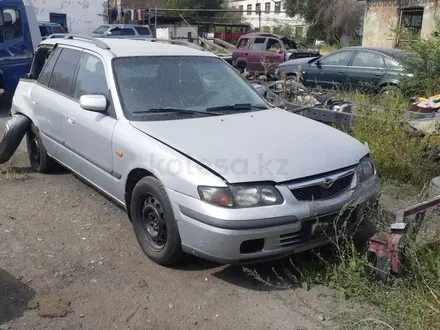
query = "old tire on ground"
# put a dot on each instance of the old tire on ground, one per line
(40, 161)
(434, 187)
(16, 128)
(154, 223)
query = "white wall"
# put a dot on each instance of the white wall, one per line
(270, 19)
(83, 16)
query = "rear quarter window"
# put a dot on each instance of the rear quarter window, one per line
(143, 30)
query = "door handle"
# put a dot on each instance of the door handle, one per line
(341, 72)
(34, 101)
(377, 74)
(246, 54)
(70, 119)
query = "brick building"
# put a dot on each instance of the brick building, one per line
(381, 16)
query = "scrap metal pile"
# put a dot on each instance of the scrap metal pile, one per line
(292, 95)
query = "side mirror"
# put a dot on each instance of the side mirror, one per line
(96, 103)
(109, 33)
(318, 64)
(28, 76)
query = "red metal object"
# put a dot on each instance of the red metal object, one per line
(388, 247)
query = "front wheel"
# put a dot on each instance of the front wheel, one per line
(40, 161)
(154, 223)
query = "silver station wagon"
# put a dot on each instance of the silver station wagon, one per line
(201, 162)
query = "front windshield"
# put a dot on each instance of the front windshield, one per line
(195, 83)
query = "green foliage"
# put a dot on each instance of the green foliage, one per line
(196, 4)
(329, 19)
(284, 30)
(423, 62)
(398, 155)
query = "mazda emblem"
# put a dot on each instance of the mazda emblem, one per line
(328, 182)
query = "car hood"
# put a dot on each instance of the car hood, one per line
(298, 61)
(269, 145)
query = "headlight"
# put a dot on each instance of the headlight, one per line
(365, 169)
(241, 196)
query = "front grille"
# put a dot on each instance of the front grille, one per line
(318, 192)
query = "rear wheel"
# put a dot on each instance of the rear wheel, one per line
(390, 92)
(40, 161)
(154, 223)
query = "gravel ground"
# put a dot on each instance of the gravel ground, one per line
(69, 260)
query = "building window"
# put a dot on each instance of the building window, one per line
(258, 7)
(412, 18)
(241, 9)
(249, 9)
(267, 7)
(277, 7)
(299, 32)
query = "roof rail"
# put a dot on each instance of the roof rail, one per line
(97, 42)
(172, 41)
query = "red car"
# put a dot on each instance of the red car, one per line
(262, 52)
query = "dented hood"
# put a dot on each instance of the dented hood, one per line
(268, 145)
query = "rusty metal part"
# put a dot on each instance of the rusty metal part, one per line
(388, 248)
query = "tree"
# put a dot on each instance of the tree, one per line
(329, 18)
(196, 4)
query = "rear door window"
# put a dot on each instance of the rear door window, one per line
(368, 60)
(259, 44)
(122, 32)
(64, 71)
(10, 24)
(143, 30)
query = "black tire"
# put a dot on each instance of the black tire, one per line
(154, 223)
(241, 66)
(40, 161)
(16, 128)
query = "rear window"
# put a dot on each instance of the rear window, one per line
(101, 29)
(57, 29)
(143, 30)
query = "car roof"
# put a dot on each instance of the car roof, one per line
(384, 50)
(129, 47)
(49, 23)
(123, 25)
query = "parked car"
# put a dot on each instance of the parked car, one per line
(19, 38)
(254, 49)
(48, 28)
(202, 163)
(366, 68)
(122, 31)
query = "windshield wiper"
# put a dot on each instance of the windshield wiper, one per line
(176, 110)
(237, 106)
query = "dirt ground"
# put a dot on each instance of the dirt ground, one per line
(69, 260)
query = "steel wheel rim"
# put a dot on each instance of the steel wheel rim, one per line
(152, 222)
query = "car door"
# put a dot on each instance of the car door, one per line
(274, 54)
(255, 54)
(366, 70)
(51, 97)
(328, 72)
(88, 134)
